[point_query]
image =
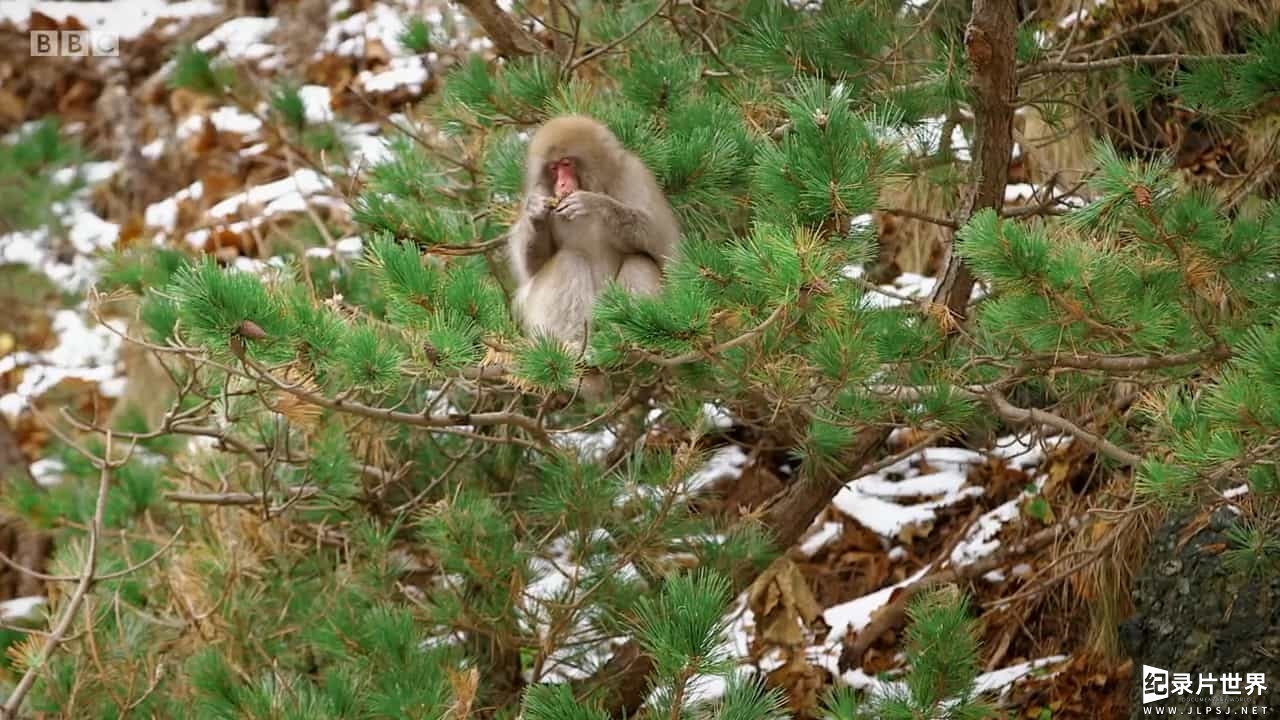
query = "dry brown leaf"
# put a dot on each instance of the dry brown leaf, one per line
(783, 604)
(805, 685)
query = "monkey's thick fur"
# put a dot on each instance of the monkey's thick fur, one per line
(614, 224)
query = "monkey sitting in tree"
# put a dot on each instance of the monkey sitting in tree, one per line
(592, 212)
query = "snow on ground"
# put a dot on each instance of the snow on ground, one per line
(410, 73)
(22, 609)
(286, 195)
(876, 500)
(164, 214)
(47, 472)
(127, 20)
(84, 232)
(82, 352)
(242, 38)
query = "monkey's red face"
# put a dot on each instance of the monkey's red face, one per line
(564, 176)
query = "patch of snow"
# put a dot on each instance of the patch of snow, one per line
(856, 614)
(234, 120)
(317, 101)
(89, 233)
(241, 38)
(726, 462)
(820, 539)
(154, 149)
(164, 214)
(348, 246)
(82, 352)
(980, 541)
(1005, 677)
(1077, 16)
(1026, 450)
(348, 37)
(591, 445)
(47, 472)
(288, 194)
(91, 173)
(940, 483)
(367, 149)
(716, 416)
(408, 73)
(22, 609)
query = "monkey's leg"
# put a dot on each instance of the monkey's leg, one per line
(559, 298)
(639, 274)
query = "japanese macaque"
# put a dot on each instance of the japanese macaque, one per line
(592, 212)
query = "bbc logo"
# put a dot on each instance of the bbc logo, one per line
(74, 43)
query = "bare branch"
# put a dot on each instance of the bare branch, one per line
(1013, 413)
(1047, 68)
(234, 498)
(507, 35)
(916, 215)
(1120, 363)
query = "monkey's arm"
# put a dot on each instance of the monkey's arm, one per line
(529, 239)
(635, 229)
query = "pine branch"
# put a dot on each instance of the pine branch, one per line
(11, 562)
(507, 35)
(1007, 410)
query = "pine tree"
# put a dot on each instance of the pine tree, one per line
(403, 513)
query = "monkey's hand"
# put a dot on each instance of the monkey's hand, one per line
(537, 206)
(582, 203)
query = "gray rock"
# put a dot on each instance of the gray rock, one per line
(1196, 615)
